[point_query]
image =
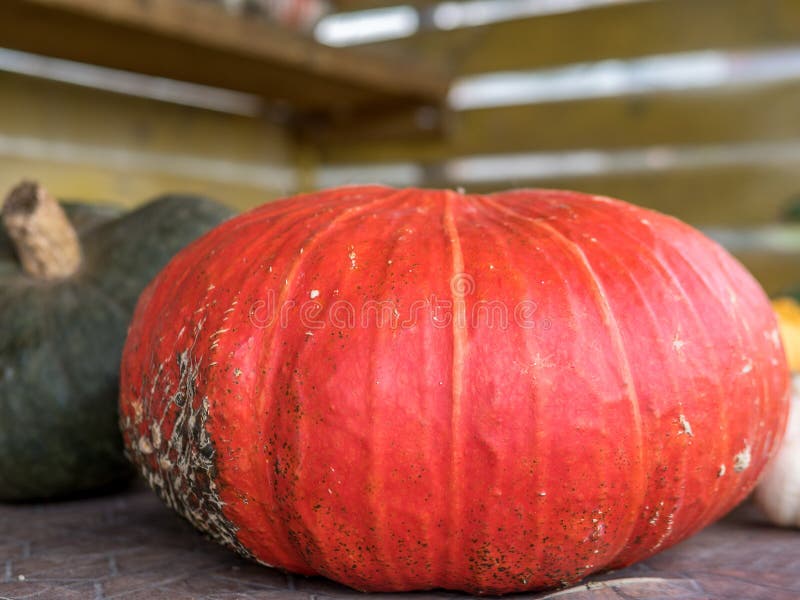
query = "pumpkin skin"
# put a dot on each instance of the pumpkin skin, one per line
(633, 396)
(61, 342)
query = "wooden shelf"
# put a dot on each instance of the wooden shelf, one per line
(199, 42)
(352, 5)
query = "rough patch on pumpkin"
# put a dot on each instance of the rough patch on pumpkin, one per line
(180, 467)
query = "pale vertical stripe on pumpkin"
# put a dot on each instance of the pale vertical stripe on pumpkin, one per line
(492, 212)
(276, 353)
(483, 527)
(593, 283)
(733, 494)
(612, 330)
(460, 341)
(376, 472)
(376, 458)
(267, 406)
(432, 444)
(670, 280)
(264, 403)
(615, 334)
(742, 315)
(272, 335)
(265, 400)
(654, 450)
(700, 329)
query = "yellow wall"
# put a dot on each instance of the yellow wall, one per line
(93, 145)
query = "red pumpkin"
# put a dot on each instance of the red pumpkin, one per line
(416, 389)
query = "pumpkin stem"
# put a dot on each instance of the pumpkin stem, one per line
(46, 242)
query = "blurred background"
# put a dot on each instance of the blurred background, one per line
(691, 107)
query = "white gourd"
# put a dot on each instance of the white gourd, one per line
(778, 493)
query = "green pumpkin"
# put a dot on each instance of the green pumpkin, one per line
(61, 341)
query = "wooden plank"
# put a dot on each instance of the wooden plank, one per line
(94, 145)
(606, 32)
(405, 127)
(44, 109)
(356, 5)
(201, 43)
(720, 115)
(771, 253)
(777, 273)
(736, 195)
(125, 187)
